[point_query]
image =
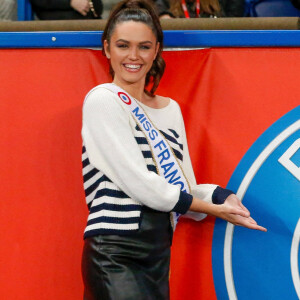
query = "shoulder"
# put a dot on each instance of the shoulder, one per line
(176, 110)
(98, 92)
(101, 96)
(102, 101)
(168, 102)
(163, 101)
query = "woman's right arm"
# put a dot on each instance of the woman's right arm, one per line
(111, 147)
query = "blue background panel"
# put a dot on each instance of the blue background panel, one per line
(172, 38)
(262, 260)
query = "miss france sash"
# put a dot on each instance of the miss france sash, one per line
(165, 160)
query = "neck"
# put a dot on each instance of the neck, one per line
(136, 90)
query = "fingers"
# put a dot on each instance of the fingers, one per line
(257, 227)
(82, 6)
(241, 212)
(236, 213)
(252, 220)
(261, 228)
(234, 202)
(248, 222)
(251, 224)
(85, 9)
(245, 209)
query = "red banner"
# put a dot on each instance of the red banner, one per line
(229, 97)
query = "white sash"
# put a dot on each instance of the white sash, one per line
(165, 160)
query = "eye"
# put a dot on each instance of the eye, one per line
(122, 45)
(145, 47)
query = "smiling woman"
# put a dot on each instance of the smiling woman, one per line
(132, 50)
(138, 176)
(142, 36)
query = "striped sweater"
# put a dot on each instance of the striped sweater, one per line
(118, 169)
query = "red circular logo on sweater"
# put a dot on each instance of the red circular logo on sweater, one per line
(125, 98)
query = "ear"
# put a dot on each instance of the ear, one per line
(106, 49)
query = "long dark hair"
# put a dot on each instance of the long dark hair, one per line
(139, 11)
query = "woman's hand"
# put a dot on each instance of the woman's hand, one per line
(82, 6)
(236, 213)
(232, 211)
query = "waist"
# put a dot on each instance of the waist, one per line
(142, 221)
(154, 234)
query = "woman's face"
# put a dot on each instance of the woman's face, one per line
(132, 50)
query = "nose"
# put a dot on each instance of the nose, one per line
(133, 53)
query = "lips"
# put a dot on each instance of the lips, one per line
(132, 67)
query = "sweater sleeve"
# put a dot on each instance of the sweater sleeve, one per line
(112, 148)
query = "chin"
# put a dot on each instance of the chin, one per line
(133, 79)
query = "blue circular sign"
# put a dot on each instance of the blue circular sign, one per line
(250, 264)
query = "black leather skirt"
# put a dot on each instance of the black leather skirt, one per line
(129, 267)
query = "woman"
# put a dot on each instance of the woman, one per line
(67, 9)
(167, 9)
(196, 8)
(137, 167)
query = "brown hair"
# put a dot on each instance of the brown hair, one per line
(176, 8)
(139, 11)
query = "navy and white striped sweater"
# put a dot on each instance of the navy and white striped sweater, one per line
(111, 211)
(107, 165)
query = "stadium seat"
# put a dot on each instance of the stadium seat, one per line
(271, 8)
(24, 10)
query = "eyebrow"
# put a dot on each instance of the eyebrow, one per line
(144, 42)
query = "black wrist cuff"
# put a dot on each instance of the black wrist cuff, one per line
(219, 195)
(184, 203)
